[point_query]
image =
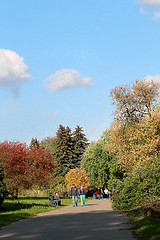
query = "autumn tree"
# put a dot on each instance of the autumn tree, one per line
(41, 166)
(136, 126)
(78, 177)
(13, 157)
(3, 190)
(34, 143)
(80, 144)
(24, 167)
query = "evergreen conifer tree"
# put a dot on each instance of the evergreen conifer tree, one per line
(64, 152)
(80, 143)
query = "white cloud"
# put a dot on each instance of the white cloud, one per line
(155, 78)
(66, 78)
(13, 70)
(150, 3)
(157, 15)
(51, 115)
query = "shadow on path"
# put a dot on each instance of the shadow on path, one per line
(89, 222)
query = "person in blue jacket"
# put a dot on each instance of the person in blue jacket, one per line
(82, 196)
(74, 194)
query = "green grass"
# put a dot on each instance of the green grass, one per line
(24, 207)
(149, 227)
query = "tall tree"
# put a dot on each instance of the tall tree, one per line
(95, 161)
(64, 154)
(135, 129)
(134, 102)
(80, 144)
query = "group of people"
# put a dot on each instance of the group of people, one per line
(100, 194)
(74, 194)
(54, 199)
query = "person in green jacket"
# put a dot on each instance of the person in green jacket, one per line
(82, 196)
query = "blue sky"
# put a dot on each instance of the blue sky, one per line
(60, 59)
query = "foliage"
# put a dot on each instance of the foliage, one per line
(135, 102)
(116, 173)
(34, 143)
(95, 162)
(57, 180)
(62, 190)
(24, 167)
(69, 149)
(78, 177)
(41, 166)
(49, 144)
(102, 167)
(64, 152)
(142, 184)
(13, 157)
(80, 143)
(3, 191)
(151, 207)
(134, 134)
(148, 226)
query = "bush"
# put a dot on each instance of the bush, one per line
(56, 181)
(78, 177)
(138, 186)
(151, 207)
(62, 190)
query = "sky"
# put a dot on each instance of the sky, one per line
(59, 60)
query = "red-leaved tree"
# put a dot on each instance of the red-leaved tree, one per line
(24, 167)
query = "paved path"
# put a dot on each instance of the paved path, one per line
(95, 221)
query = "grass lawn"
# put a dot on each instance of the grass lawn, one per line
(149, 227)
(24, 207)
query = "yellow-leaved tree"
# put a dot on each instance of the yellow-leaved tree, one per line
(78, 177)
(135, 131)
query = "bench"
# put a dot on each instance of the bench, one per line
(55, 202)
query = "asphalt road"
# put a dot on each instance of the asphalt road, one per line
(96, 221)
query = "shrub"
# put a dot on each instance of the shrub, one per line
(141, 184)
(62, 190)
(78, 177)
(151, 207)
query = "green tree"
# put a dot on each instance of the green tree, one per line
(50, 144)
(65, 152)
(3, 191)
(95, 161)
(80, 143)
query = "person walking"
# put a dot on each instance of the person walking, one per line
(106, 192)
(74, 194)
(82, 196)
(98, 193)
(102, 193)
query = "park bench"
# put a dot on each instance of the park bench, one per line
(54, 202)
